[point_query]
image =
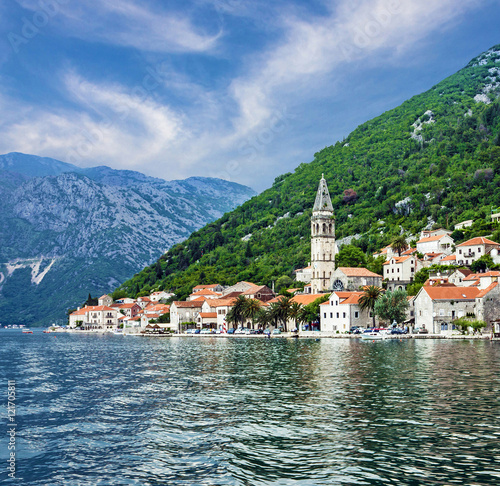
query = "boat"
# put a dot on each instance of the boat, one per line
(374, 336)
(27, 331)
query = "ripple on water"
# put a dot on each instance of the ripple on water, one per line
(114, 411)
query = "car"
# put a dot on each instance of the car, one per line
(240, 330)
(267, 332)
(207, 331)
(192, 331)
(276, 331)
(398, 330)
(231, 331)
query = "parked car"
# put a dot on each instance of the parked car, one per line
(267, 331)
(192, 331)
(398, 330)
(276, 331)
(240, 330)
(231, 331)
(355, 330)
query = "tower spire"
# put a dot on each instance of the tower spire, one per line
(323, 201)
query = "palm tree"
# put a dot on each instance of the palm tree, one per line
(251, 309)
(284, 307)
(294, 313)
(399, 244)
(237, 313)
(368, 299)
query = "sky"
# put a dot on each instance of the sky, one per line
(243, 90)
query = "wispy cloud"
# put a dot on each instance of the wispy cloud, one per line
(129, 23)
(228, 127)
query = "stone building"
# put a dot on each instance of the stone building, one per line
(353, 279)
(323, 246)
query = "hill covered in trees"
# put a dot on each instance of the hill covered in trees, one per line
(433, 160)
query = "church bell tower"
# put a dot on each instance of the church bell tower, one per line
(323, 247)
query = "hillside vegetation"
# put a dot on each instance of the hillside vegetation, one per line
(433, 160)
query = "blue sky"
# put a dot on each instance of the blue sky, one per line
(242, 90)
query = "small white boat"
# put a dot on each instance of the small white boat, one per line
(373, 336)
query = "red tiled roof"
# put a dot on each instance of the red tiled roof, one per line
(220, 302)
(208, 314)
(189, 304)
(479, 240)
(306, 299)
(449, 258)
(431, 238)
(452, 293)
(358, 272)
(211, 286)
(483, 292)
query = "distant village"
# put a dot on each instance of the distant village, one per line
(446, 296)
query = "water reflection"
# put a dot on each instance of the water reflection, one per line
(249, 412)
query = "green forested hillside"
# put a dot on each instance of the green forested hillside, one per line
(435, 158)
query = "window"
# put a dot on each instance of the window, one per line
(331, 315)
(337, 315)
(356, 314)
(343, 315)
(441, 312)
(324, 315)
(479, 250)
(398, 269)
(459, 252)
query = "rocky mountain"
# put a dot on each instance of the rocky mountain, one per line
(433, 160)
(67, 231)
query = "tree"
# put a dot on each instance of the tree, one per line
(251, 309)
(350, 256)
(392, 306)
(284, 307)
(237, 313)
(464, 323)
(482, 264)
(284, 282)
(399, 244)
(295, 311)
(369, 298)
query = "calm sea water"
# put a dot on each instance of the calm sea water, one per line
(114, 410)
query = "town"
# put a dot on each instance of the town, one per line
(333, 301)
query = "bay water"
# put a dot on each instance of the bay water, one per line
(115, 410)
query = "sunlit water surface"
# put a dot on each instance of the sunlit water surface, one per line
(114, 410)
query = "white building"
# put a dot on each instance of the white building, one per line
(471, 250)
(342, 311)
(400, 271)
(436, 244)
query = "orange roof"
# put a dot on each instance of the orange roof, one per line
(305, 268)
(431, 238)
(126, 306)
(103, 296)
(452, 293)
(200, 287)
(208, 314)
(80, 312)
(189, 304)
(449, 258)
(205, 292)
(220, 302)
(479, 240)
(306, 299)
(358, 272)
(254, 289)
(483, 292)
(400, 259)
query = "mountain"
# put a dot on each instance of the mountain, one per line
(67, 231)
(433, 160)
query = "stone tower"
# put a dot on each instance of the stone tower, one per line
(323, 246)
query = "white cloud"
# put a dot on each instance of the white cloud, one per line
(127, 23)
(231, 131)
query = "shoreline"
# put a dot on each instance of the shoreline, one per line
(288, 335)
